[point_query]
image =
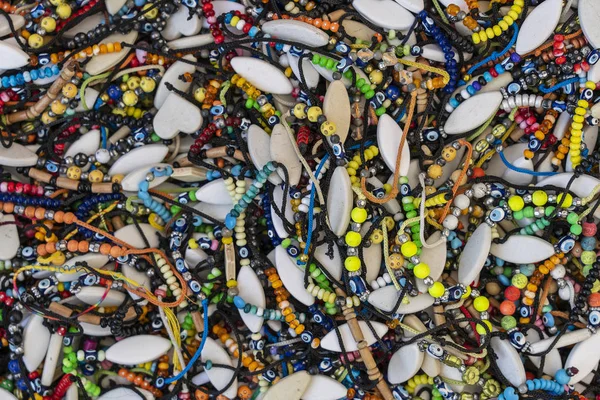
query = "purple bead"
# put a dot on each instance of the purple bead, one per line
(476, 85)
(515, 57)
(89, 345)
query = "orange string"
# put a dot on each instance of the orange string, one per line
(460, 178)
(58, 193)
(394, 192)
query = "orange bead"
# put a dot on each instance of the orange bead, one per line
(123, 372)
(115, 251)
(8, 207)
(130, 377)
(69, 218)
(138, 380)
(39, 213)
(200, 395)
(594, 300)
(253, 365)
(317, 22)
(507, 307)
(334, 27)
(105, 249)
(41, 250)
(30, 212)
(72, 245)
(83, 246)
(326, 25)
(51, 248)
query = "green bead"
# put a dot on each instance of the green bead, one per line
(249, 103)
(370, 94)
(316, 58)
(348, 74)
(518, 215)
(175, 209)
(331, 311)
(508, 322)
(192, 194)
(528, 212)
(155, 137)
(360, 83)
(576, 229)
(507, 272)
(411, 214)
(549, 210)
(7, 384)
(330, 64)
(365, 89)
(572, 218)
(380, 111)
(323, 62)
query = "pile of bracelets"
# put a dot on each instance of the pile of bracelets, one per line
(299, 199)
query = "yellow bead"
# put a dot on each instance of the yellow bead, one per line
(133, 82)
(69, 90)
(231, 283)
(437, 290)
(359, 215)
(481, 303)
(483, 36)
(490, 33)
(152, 11)
(130, 98)
(434, 171)
(421, 270)
(509, 20)
(566, 203)
(375, 150)
(74, 172)
(96, 176)
(353, 239)
(35, 41)
(497, 30)
(234, 21)
(387, 187)
(377, 236)
(516, 203)
(519, 281)
(580, 111)
(49, 24)
(352, 263)
(513, 15)
(369, 154)
(409, 249)
(516, 9)
(328, 128)
(481, 330)
(503, 25)
(313, 113)
(583, 103)
(200, 94)
(64, 11)
(475, 38)
(300, 111)
(376, 76)
(590, 85)
(227, 240)
(539, 198)
(58, 108)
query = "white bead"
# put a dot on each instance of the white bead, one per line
(558, 272)
(387, 278)
(381, 281)
(374, 284)
(462, 201)
(450, 222)
(479, 190)
(303, 208)
(102, 156)
(465, 95)
(240, 24)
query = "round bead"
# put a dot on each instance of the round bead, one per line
(437, 290)
(516, 203)
(519, 281)
(353, 239)
(421, 270)
(481, 329)
(481, 303)
(539, 198)
(352, 263)
(409, 249)
(507, 307)
(359, 215)
(508, 322)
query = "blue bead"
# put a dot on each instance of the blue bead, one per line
(48, 71)
(13, 81)
(562, 377)
(503, 280)
(499, 68)
(529, 385)
(454, 103)
(488, 77)
(471, 90)
(230, 221)
(144, 185)
(253, 31)
(143, 195)
(228, 18)
(55, 69)
(476, 85)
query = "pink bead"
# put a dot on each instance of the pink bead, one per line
(141, 55)
(214, 245)
(4, 97)
(212, 20)
(3, 187)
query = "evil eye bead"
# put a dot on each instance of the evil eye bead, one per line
(273, 120)
(524, 311)
(587, 94)
(517, 339)
(296, 51)
(217, 110)
(269, 375)
(594, 318)
(43, 59)
(160, 382)
(325, 365)
(435, 350)
(566, 244)
(497, 191)
(593, 57)
(404, 189)
(342, 48)
(534, 144)
(379, 193)
(497, 214)
(548, 320)
(306, 337)
(431, 135)
(194, 286)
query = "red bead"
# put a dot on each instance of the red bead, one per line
(210, 13)
(559, 38)
(19, 187)
(10, 187)
(561, 60)
(2, 297)
(34, 375)
(478, 173)
(512, 293)
(9, 301)
(493, 72)
(247, 28)
(589, 229)
(61, 331)
(207, 7)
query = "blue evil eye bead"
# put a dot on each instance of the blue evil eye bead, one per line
(517, 339)
(593, 57)
(194, 286)
(497, 214)
(431, 135)
(180, 264)
(435, 351)
(400, 393)
(325, 365)
(497, 190)
(594, 318)
(534, 144)
(51, 167)
(306, 337)
(43, 59)
(344, 64)
(565, 244)
(379, 193)
(273, 120)
(404, 189)
(217, 110)
(587, 94)
(296, 51)
(525, 311)
(269, 375)
(377, 100)
(160, 382)
(455, 292)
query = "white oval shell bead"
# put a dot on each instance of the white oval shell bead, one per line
(137, 349)
(330, 341)
(262, 74)
(538, 26)
(473, 112)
